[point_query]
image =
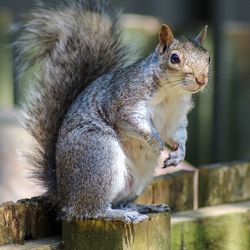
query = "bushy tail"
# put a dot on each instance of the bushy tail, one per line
(73, 44)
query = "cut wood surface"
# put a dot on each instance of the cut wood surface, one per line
(116, 235)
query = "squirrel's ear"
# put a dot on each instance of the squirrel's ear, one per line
(166, 36)
(202, 35)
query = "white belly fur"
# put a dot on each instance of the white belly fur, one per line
(166, 115)
(168, 112)
(141, 162)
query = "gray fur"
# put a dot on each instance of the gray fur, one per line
(71, 56)
(100, 127)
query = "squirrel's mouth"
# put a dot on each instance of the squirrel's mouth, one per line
(195, 85)
(197, 89)
(194, 88)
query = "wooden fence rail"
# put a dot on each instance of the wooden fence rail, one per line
(224, 185)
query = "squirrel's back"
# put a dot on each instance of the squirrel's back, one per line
(74, 44)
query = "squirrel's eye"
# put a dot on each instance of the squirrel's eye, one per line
(174, 58)
(209, 59)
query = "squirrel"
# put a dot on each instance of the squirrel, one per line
(99, 122)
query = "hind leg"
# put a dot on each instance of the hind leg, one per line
(90, 176)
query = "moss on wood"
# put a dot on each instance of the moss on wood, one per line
(225, 227)
(116, 235)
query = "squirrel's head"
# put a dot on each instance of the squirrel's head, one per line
(184, 63)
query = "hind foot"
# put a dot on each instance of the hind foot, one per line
(123, 215)
(145, 208)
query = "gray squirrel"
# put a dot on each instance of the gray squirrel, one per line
(99, 124)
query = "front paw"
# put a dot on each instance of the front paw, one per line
(156, 143)
(175, 157)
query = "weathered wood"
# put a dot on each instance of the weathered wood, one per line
(12, 223)
(147, 197)
(40, 218)
(52, 243)
(27, 219)
(175, 189)
(224, 183)
(224, 227)
(116, 235)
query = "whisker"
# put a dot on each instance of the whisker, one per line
(176, 84)
(208, 90)
(171, 84)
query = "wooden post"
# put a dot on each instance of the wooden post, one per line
(116, 235)
(175, 189)
(12, 223)
(224, 227)
(224, 183)
(27, 219)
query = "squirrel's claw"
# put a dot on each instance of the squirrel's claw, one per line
(175, 157)
(170, 162)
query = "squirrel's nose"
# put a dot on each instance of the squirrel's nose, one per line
(201, 79)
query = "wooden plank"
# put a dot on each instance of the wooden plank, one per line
(40, 218)
(116, 235)
(224, 183)
(28, 219)
(175, 189)
(224, 227)
(12, 223)
(52, 243)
